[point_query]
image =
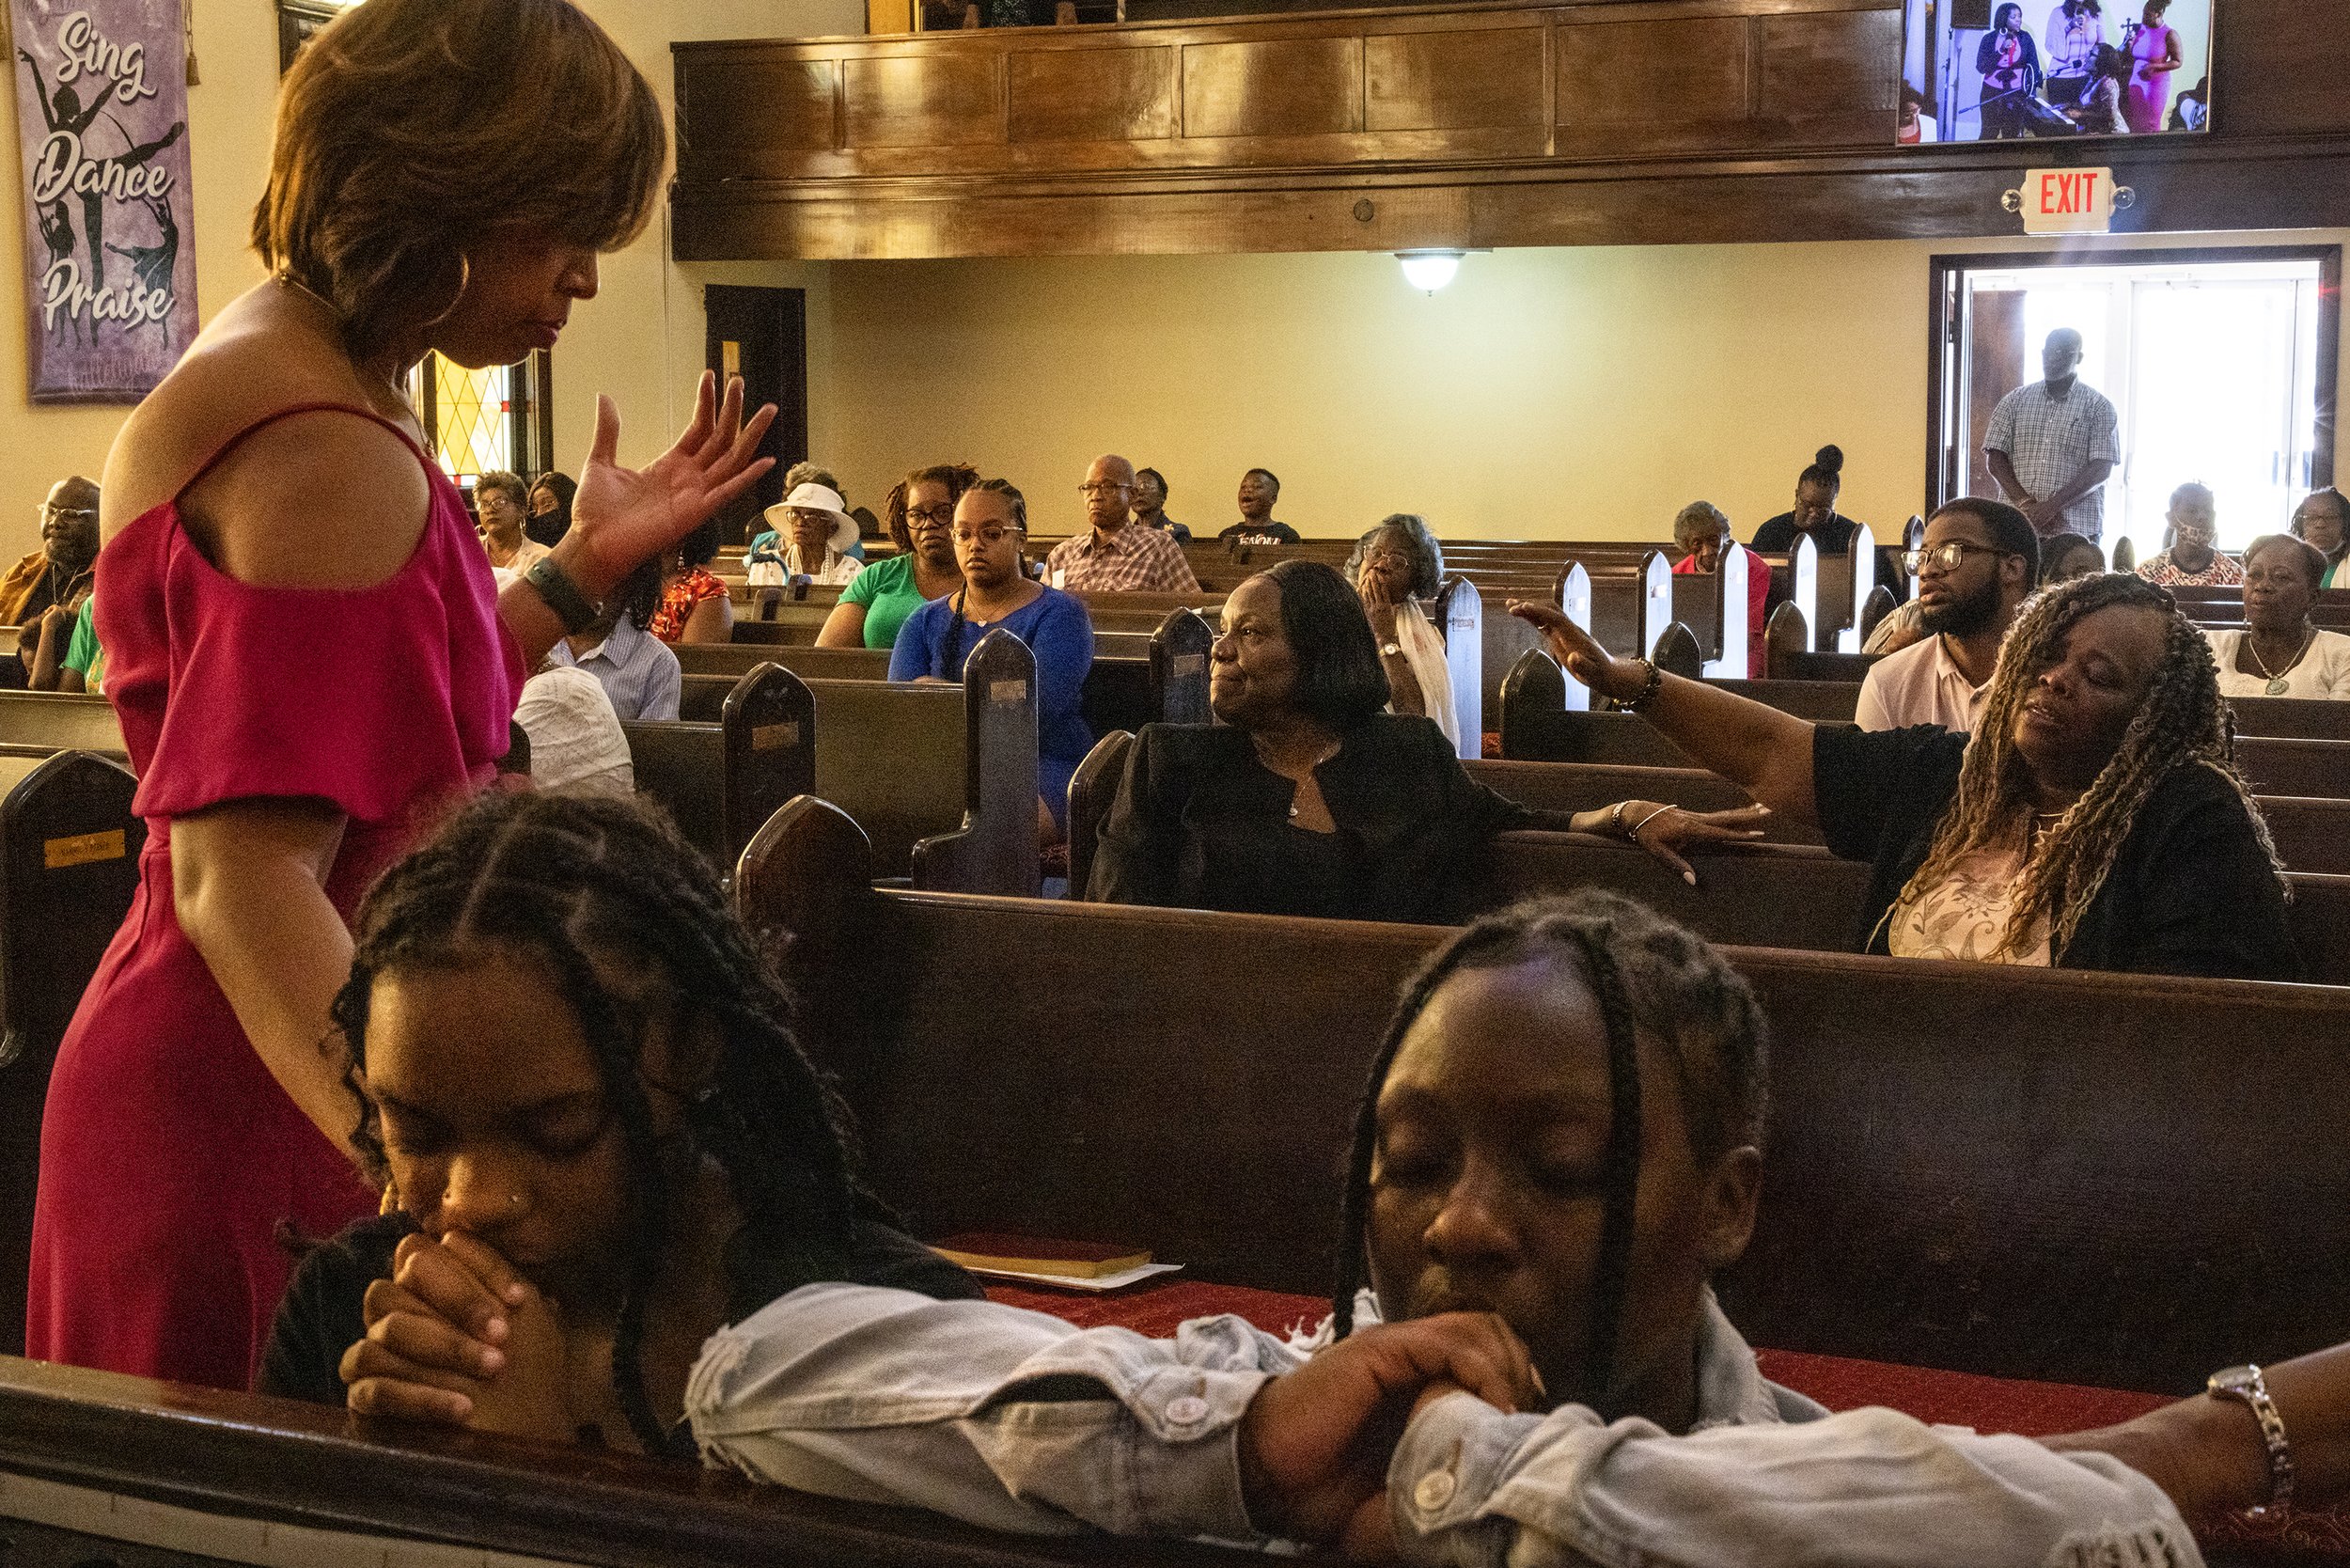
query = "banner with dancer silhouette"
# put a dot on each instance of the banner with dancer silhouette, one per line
(101, 113)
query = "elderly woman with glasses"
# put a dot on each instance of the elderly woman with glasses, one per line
(2191, 561)
(920, 512)
(2278, 650)
(1394, 565)
(991, 527)
(1702, 533)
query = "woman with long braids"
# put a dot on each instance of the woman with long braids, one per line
(990, 528)
(303, 688)
(579, 1084)
(2094, 821)
(1559, 1145)
(919, 513)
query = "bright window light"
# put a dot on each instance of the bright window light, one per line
(1429, 270)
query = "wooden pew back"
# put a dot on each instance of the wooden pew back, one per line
(68, 867)
(1959, 1172)
(994, 850)
(56, 721)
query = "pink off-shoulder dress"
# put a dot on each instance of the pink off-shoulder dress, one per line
(173, 1168)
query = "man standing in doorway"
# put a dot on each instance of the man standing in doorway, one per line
(2051, 445)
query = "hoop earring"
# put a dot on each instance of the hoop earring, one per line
(464, 281)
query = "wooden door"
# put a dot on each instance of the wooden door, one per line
(762, 336)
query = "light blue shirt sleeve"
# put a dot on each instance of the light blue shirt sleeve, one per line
(998, 1417)
(1868, 1489)
(2000, 434)
(664, 681)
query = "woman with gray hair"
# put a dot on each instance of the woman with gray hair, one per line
(1394, 564)
(1702, 533)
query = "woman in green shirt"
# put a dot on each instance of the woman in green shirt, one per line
(2324, 521)
(921, 512)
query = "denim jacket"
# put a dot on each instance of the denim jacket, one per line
(1019, 1421)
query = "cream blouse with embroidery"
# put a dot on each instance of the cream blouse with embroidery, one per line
(1965, 915)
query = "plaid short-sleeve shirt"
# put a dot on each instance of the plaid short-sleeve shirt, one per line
(2048, 438)
(1136, 559)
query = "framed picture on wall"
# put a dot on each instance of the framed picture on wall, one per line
(2012, 69)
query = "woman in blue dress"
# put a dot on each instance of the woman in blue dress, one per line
(991, 527)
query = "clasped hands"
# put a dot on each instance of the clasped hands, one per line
(456, 1337)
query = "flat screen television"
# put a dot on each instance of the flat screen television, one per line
(1994, 69)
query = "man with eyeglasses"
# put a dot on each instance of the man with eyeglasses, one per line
(2051, 444)
(56, 577)
(1980, 561)
(1113, 555)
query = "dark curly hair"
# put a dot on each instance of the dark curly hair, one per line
(571, 882)
(1647, 976)
(956, 477)
(2182, 724)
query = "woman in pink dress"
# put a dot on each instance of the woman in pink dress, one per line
(2153, 55)
(301, 692)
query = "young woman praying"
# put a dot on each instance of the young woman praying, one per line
(580, 1087)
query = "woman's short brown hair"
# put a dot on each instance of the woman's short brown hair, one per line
(411, 130)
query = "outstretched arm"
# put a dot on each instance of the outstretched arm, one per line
(1765, 751)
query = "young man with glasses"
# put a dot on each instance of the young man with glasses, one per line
(1980, 560)
(1113, 555)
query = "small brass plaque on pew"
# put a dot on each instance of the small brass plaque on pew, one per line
(1189, 664)
(766, 737)
(83, 848)
(1007, 691)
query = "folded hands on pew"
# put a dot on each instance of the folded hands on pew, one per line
(456, 1338)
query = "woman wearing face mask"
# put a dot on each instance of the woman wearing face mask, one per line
(991, 527)
(2092, 821)
(2191, 561)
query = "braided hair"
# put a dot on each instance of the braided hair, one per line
(572, 881)
(950, 652)
(2182, 724)
(956, 477)
(1647, 975)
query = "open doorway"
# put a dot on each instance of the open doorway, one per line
(2220, 365)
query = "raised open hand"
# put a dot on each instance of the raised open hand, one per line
(1314, 1446)
(623, 515)
(1578, 652)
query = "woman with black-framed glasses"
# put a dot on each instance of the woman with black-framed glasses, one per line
(920, 511)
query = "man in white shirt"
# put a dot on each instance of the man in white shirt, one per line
(1980, 561)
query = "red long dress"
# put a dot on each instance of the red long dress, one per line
(170, 1159)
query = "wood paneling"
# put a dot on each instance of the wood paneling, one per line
(1303, 86)
(1659, 73)
(1093, 95)
(928, 99)
(792, 100)
(1630, 122)
(1468, 80)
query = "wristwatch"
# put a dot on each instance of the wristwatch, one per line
(1391, 650)
(2247, 1383)
(563, 596)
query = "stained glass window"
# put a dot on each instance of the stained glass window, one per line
(484, 419)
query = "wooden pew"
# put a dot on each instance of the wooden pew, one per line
(68, 866)
(719, 782)
(99, 1470)
(1711, 608)
(1458, 613)
(58, 721)
(994, 850)
(1958, 1173)
(1802, 898)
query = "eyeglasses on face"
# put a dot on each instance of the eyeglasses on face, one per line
(61, 514)
(987, 538)
(1945, 557)
(1104, 487)
(939, 516)
(1388, 558)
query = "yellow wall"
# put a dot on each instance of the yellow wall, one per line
(1585, 392)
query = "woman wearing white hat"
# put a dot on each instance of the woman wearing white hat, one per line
(810, 537)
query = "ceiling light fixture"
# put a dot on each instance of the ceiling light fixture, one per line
(1429, 270)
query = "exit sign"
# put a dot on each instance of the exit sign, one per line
(2067, 201)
